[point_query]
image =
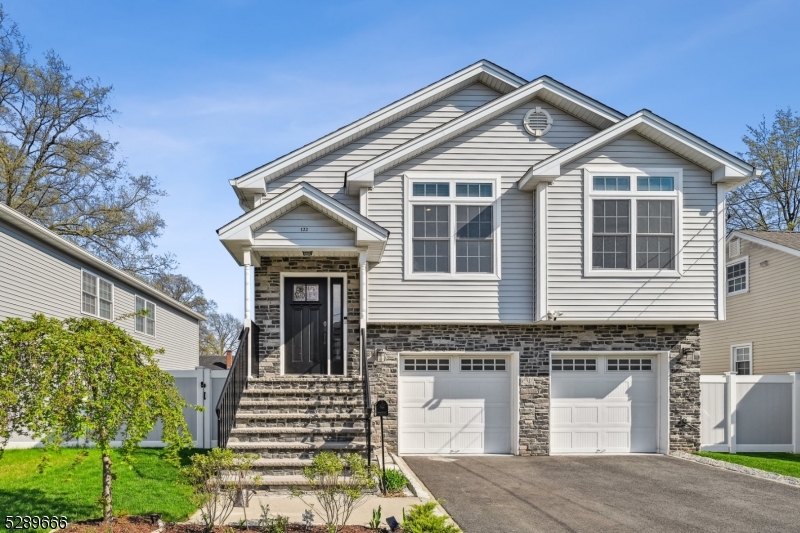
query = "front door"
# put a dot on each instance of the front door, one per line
(305, 321)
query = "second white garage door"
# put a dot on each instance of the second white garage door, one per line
(604, 404)
(454, 404)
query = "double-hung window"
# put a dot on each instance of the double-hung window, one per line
(146, 316)
(737, 276)
(97, 296)
(452, 228)
(632, 222)
(742, 359)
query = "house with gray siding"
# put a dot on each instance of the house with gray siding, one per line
(41, 272)
(761, 333)
(515, 267)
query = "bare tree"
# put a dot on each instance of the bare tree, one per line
(56, 168)
(771, 201)
(184, 290)
(222, 334)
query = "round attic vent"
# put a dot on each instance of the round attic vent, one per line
(537, 121)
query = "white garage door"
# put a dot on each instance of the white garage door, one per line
(604, 403)
(456, 404)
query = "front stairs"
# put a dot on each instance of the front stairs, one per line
(287, 420)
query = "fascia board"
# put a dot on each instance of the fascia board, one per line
(257, 178)
(39, 232)
(764, 242)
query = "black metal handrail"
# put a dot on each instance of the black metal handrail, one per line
(235, 384)
(367, 395)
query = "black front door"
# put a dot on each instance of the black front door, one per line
(305, 321)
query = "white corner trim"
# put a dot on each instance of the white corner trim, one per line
(540, 286)
(722, 272)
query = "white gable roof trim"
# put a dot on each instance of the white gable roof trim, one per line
(19, 221)
(725, 168)
(752, 238)
(483, 71)
(544, 88)
(239, 234)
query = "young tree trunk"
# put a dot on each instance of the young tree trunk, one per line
(108, 512)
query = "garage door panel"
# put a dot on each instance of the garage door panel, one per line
(459, 411)
(604, 411)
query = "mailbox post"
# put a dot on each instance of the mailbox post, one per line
(382, 409)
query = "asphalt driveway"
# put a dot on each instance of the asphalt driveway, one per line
(598, 494)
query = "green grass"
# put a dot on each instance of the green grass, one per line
(149, 484)
(787, 464)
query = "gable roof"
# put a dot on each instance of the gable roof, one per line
(725, 168)
(544, 88)
(482, 71)
(238, 234)
(26, 225)
(784, 241)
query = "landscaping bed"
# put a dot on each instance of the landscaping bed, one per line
(139, 524)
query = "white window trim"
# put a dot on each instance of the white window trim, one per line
(113, 294)
(409, 179)
(588, 210)
(155, 314)
(749, 346)
(739, 259)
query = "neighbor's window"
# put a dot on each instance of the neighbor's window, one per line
(633, 222)
(742, 359)
(453, 227)
(97, 296)
(737, 277)
(145, 324)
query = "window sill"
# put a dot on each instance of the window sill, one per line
(450, 277)
(738, 292)
(670, 274)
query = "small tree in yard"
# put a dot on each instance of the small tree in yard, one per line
(86, 379)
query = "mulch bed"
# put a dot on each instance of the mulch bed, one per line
(140, 524)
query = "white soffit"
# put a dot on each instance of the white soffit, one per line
(483, 71)
(724, 167)
(544, 88)
(238, 235)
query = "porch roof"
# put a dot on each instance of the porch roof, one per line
(240, 234)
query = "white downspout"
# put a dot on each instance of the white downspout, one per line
(362, 306)
(247, 262)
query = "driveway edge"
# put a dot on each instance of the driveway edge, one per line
(733, 467)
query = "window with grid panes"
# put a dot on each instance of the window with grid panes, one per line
(630, 231)
(737, 277)
(742, 359)
(146, 321)
(97, 296)
(457, 237)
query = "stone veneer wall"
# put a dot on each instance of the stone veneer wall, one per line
(268, 305)
(534, 343)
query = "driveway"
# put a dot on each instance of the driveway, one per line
(597, 494)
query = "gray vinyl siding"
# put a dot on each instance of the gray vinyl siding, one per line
(499, 147)
(321, 230)
(692, 297)
(767, 315)
(327, 173)
(37, 279)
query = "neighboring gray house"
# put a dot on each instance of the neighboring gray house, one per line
(41, 272)
(761, 334)
(525, 267)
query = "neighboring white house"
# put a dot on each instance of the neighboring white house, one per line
(762, 332)
(529, 268)
(41, 272)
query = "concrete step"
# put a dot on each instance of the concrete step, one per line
(303, 392)
(294, 419)
(304, 403)
(272, 431)
(296, 450)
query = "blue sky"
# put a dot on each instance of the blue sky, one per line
(208, 90)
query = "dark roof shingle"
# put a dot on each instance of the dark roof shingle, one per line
(783, 238)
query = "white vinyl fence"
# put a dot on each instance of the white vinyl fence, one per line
(201, 386)
(750, 413)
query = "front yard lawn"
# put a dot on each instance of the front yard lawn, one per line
(148, 485)
(786, 464)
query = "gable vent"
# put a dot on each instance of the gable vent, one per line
(537, 121)
(734, 248)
